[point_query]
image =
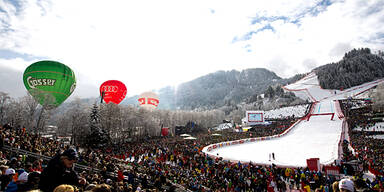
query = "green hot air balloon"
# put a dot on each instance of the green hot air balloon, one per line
(49, 82)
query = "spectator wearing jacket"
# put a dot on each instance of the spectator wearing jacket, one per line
(60, 170)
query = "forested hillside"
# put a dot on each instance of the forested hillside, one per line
(230, 88)
(357, 67)
(224, 87)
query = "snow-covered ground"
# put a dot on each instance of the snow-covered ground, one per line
(308, 88)
(377, 127)
(297, 111)
(317, 138)
(377, 136)
(284, 112)
(320, 140)
(223, 126)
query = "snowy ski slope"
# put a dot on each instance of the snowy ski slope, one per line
(317, 138)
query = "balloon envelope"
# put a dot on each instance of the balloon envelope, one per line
(113, 91)
(49, 82)
(164, 131)
(148, 100)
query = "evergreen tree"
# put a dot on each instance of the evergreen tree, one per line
(279, 91)
(97, 137)
(357, 67)
(270, 92)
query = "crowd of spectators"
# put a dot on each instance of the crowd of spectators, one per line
(361, 148)
(171, 164)
(161, 163)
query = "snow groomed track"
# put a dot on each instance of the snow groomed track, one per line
(317, 138)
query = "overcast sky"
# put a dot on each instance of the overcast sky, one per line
(150, 44)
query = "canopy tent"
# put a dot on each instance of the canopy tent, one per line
(185, 135)
(190, 138)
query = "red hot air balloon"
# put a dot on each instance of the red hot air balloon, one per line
(113, 91)
(164, 131)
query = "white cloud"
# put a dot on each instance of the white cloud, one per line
(17, 64)
(151, 44)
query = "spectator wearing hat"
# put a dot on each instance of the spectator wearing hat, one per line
(60, 170)
(13, 186)
(22, 179)
(346, 185)
(32, 182)
(6, 178)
